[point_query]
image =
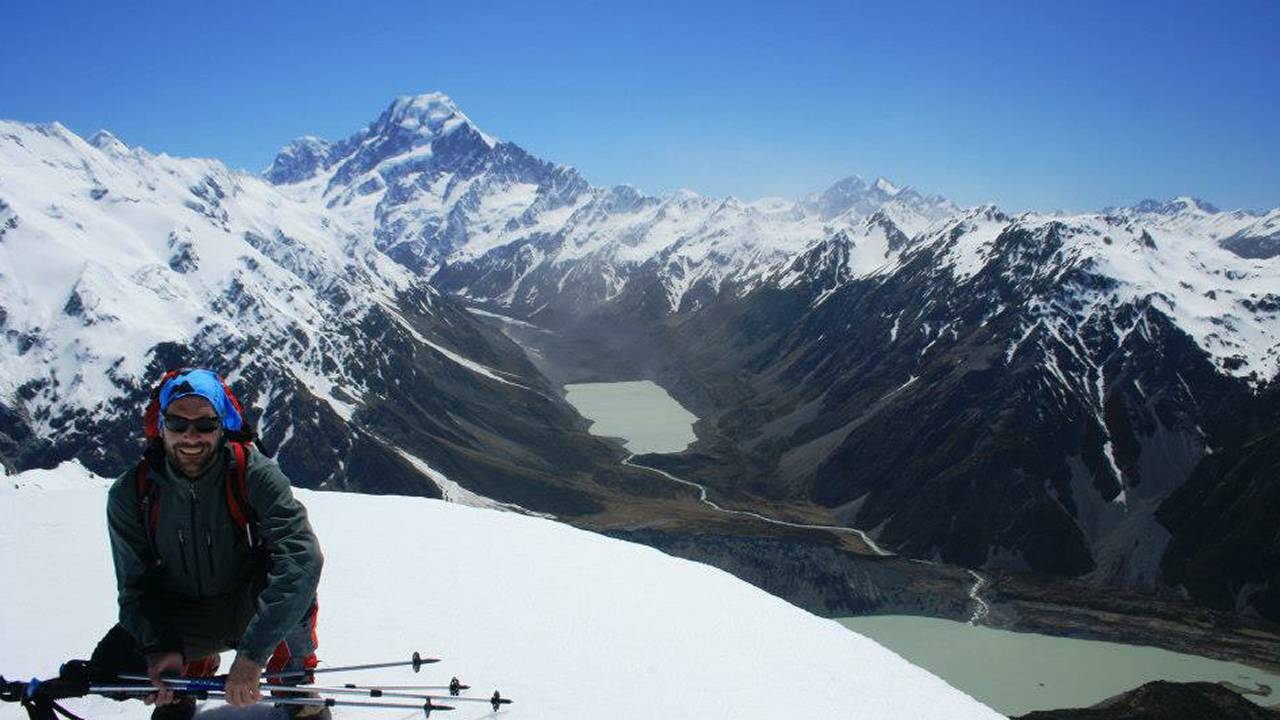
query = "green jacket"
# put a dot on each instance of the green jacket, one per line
(205, 555)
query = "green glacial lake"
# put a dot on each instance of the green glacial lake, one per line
(1015, 673)
(641, 413)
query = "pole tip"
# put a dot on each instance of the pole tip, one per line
(418, 661)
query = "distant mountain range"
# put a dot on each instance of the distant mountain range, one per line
(1061, 394)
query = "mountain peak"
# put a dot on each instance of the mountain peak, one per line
(883, 185)
(108, 143)
(853, 183)
(1193, 203)
(683, 195)
(1176, 206)
(300, 160)
(408, 123)
(432, 114)
(429, 108)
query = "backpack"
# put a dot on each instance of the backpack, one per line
(235, 483)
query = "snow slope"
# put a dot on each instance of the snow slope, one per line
(117, 264)
(113, 251)
(1084, 268)
(567, 623)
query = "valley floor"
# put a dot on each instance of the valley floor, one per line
(792, 549)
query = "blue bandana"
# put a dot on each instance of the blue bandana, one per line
(205, 384)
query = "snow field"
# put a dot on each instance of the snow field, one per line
(567, 623)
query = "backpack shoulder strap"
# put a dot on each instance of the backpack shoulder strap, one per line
(237, 487)
(148, 509)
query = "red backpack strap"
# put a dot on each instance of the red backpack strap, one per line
(237, 485)
(148, 510)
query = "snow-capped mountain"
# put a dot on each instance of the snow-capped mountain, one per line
(1018, 392)
(568, 624)
(905, 206)
(116, 264)
(488, 221)
(1223, 299)
(989, 389)
(1250, 235)
(424, 181)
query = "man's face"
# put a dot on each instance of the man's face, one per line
(191, 451)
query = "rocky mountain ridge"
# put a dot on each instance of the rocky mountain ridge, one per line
(487, 221)
(118, 264)
(1020, 393)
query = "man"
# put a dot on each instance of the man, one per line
(191, 581)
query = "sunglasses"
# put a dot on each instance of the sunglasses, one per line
(176, 424)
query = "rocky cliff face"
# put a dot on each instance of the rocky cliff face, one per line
(1225, 545)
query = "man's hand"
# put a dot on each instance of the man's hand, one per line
(243, 682)
(158, 665)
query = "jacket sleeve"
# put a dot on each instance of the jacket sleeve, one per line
(295, 560)
(130, 549)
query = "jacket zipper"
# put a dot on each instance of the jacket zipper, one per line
(195, 552)
(182, 546)
(208, 544)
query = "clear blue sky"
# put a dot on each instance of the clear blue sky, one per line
(1031, 104)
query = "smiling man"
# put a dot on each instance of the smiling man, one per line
(212, 552)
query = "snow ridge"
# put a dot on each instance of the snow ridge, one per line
(1094, 268)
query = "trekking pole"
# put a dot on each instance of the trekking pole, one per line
(196, 686)
(426, 707)
(190, 684)
(454, 687)
(219, 683)
(417, 662)
(369, 692)
(496, 701)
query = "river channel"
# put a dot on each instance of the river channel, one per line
(1013, 673)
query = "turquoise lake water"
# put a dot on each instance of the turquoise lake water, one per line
(1013, 673)
(641, 413)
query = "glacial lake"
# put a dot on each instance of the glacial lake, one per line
(641, 414)
(1013, 673)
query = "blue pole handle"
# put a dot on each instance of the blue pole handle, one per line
(206, 684)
